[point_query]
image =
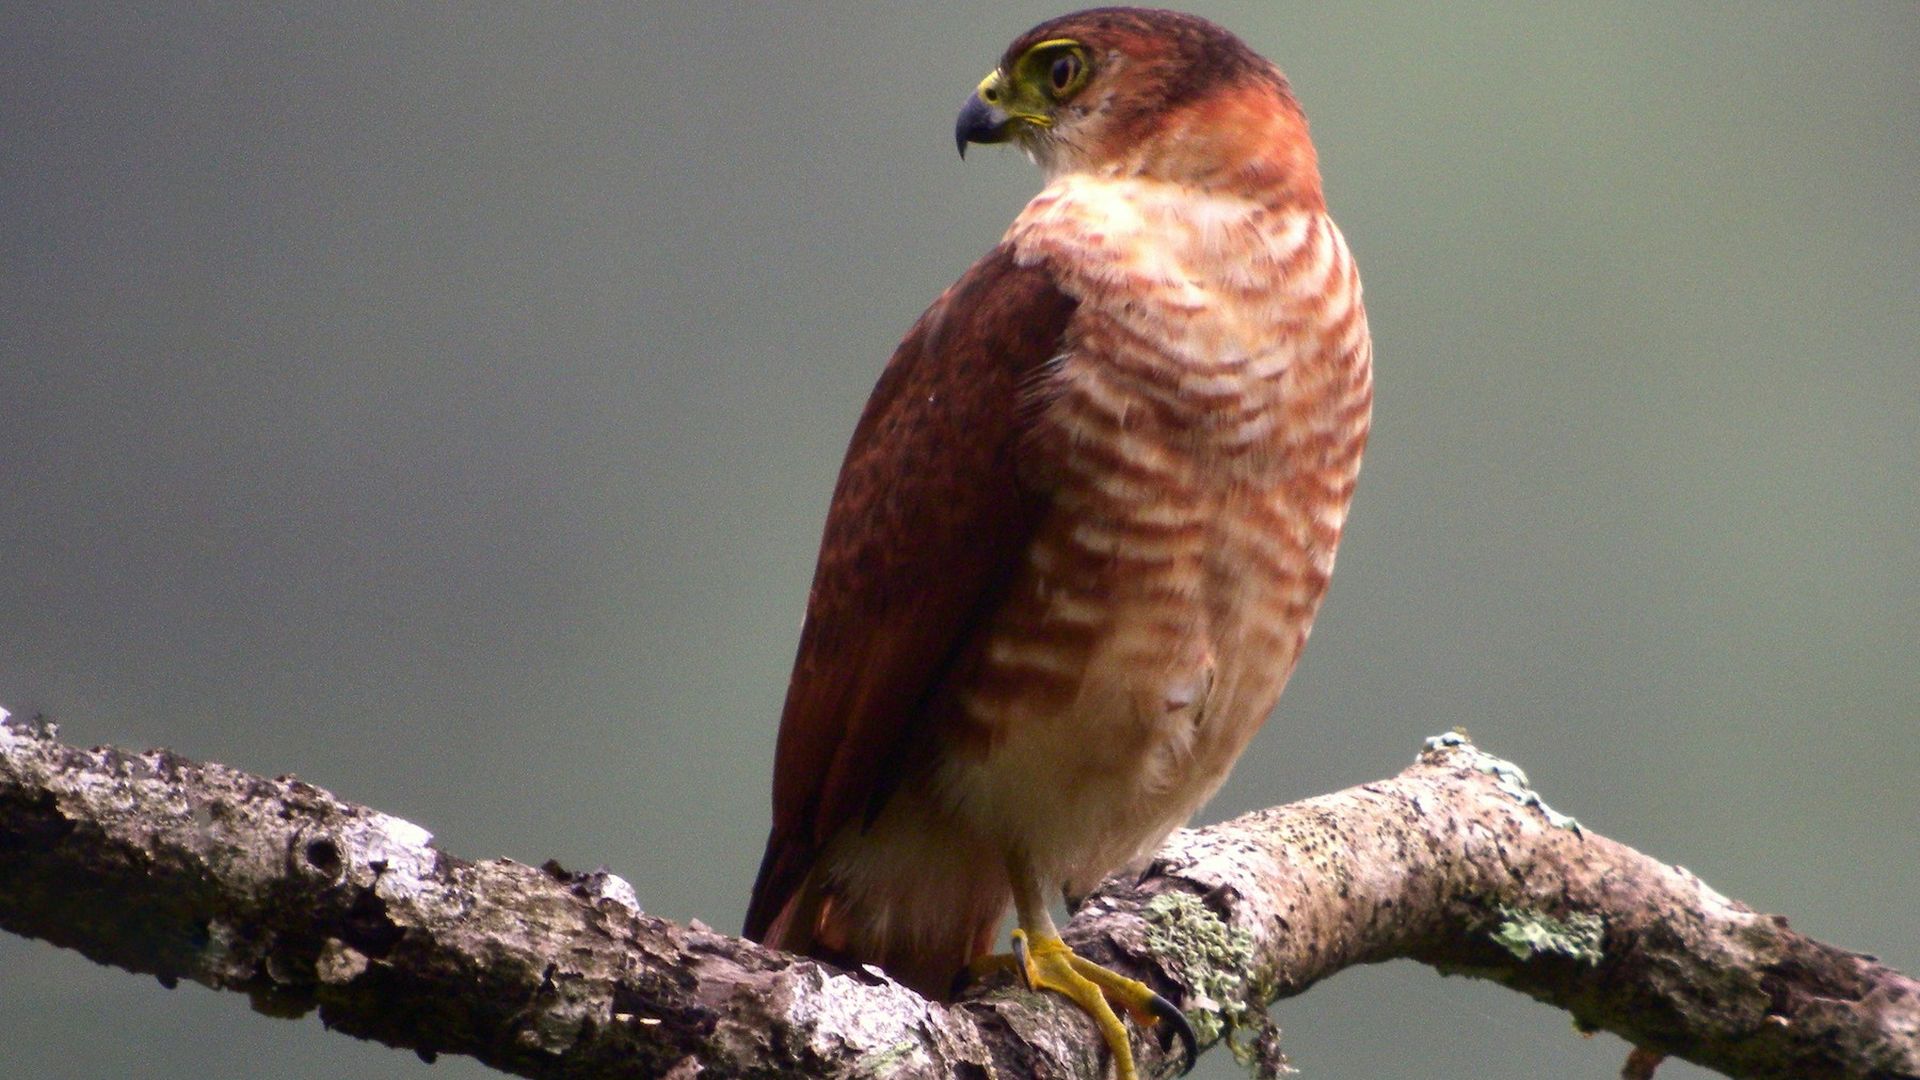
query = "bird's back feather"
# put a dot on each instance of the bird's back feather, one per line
(928, 523)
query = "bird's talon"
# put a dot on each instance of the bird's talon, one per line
(1022, 959)
(961, 980)
(982, 968)
(1174, 1024)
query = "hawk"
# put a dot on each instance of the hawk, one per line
(1084, 524)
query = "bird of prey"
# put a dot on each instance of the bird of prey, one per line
(1084, 524)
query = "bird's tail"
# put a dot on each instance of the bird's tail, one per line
(919, 929)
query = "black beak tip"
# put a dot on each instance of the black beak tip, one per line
(978, 122)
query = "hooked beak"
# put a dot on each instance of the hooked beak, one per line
(980, 122)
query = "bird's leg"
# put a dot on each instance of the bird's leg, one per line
(1046, 963)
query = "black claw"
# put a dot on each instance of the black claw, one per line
(1020, 958)
(962, 979)
(1172, 1022)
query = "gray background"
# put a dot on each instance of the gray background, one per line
(442, 402)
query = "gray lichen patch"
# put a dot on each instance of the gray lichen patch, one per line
(1527, 934)
(1508, 777)
(1214, 954)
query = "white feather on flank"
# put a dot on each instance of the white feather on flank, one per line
(1065, 607)
(1048, 659)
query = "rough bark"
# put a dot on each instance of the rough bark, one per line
(157, 864)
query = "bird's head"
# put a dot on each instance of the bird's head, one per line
(1141, 92)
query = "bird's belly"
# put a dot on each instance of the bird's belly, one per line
(1124, 676)
(1199, 439)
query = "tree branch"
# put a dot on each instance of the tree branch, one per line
(162, 865)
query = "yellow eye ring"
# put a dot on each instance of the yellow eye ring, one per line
(1057, 68)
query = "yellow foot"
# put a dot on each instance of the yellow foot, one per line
(1047, 964)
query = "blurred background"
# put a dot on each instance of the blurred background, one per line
(441, 403)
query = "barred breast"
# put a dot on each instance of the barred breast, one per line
(1200, 435)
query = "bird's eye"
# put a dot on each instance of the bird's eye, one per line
(1064, 71)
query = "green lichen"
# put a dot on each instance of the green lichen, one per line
(1215, 956)
(1527, 934)
(888, 1061)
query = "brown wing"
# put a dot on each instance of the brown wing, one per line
(928, 523)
